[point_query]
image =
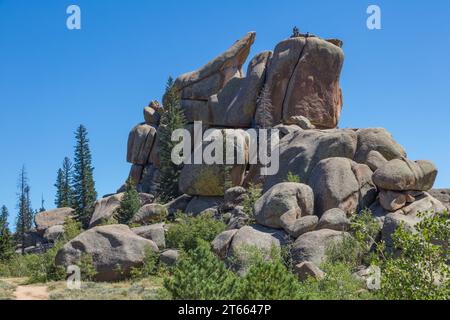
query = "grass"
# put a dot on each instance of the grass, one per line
(150, 288)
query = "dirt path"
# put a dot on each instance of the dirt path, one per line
(31, 293)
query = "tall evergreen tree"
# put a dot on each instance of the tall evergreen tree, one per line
(24, 221)
(64, 193)
(130, 203)
(264, 118)
(6, 242)
(171, 120)
(83, 186)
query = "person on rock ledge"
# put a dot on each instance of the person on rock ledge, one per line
(296, 34)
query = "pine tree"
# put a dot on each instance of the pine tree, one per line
(6, 242)
(24, 221)
(171, 120)
(83, 186)
(130, 203)
(264, 118)
(64, 193)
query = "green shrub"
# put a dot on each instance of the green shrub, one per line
(149, 266)
(254, 192)
(86, 264)
(339, 283)
(421, 271)
(189, 229)
(42, 267)
(291, 177)
(200, 275)
(72, 229)
(348, 252)
(130, 203)
(268, 280)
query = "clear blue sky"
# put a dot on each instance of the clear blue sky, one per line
(53, 79)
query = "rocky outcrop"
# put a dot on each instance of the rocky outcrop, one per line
(47, 219)
(106, 208)
(201, 84)
(150, 214)
(114, 249)
(303, 80)
(235, 105)
(199, 205)
(54, 233)
(302, 150)
(342, 183)
(334, 219)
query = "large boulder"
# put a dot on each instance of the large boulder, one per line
(334, 219)
(312, 246)
(303, 79)
(199, 85)
(235, 105)
(154, 232)
(295, 198)
(394, 220)
(380, 140)
(140, 143)
(178, 204)
(342, 183)
(114, 249)
(221, 244)
(47, 219)
(404, 175)
(250, 238)
(198, 205)
(150, 214)
(302, 150)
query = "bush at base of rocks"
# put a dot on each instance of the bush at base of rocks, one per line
(188, 229)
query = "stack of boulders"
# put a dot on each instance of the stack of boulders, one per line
(49, 229)
(340, 171)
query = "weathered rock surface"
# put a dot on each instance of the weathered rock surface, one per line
(254, 237)
(404, 175)
(334, 219)
(296, 227)
(210, 180)
(140, 143)
(54, 233)
(178, 204)
(221, 244)
(111, 247)
(169, 257)
(302, 150)
(198, 205)
(106, 208)
(211, 78)
(154, 232)
(45, 220)
(312, 246)
(235, 105)
(306, 270)
(380, 140)
(150, 213)
(295, 198)
(303, 79)
(342, 183)
(443, 195)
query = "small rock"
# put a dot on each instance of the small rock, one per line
(169, 257)
(308, 269)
